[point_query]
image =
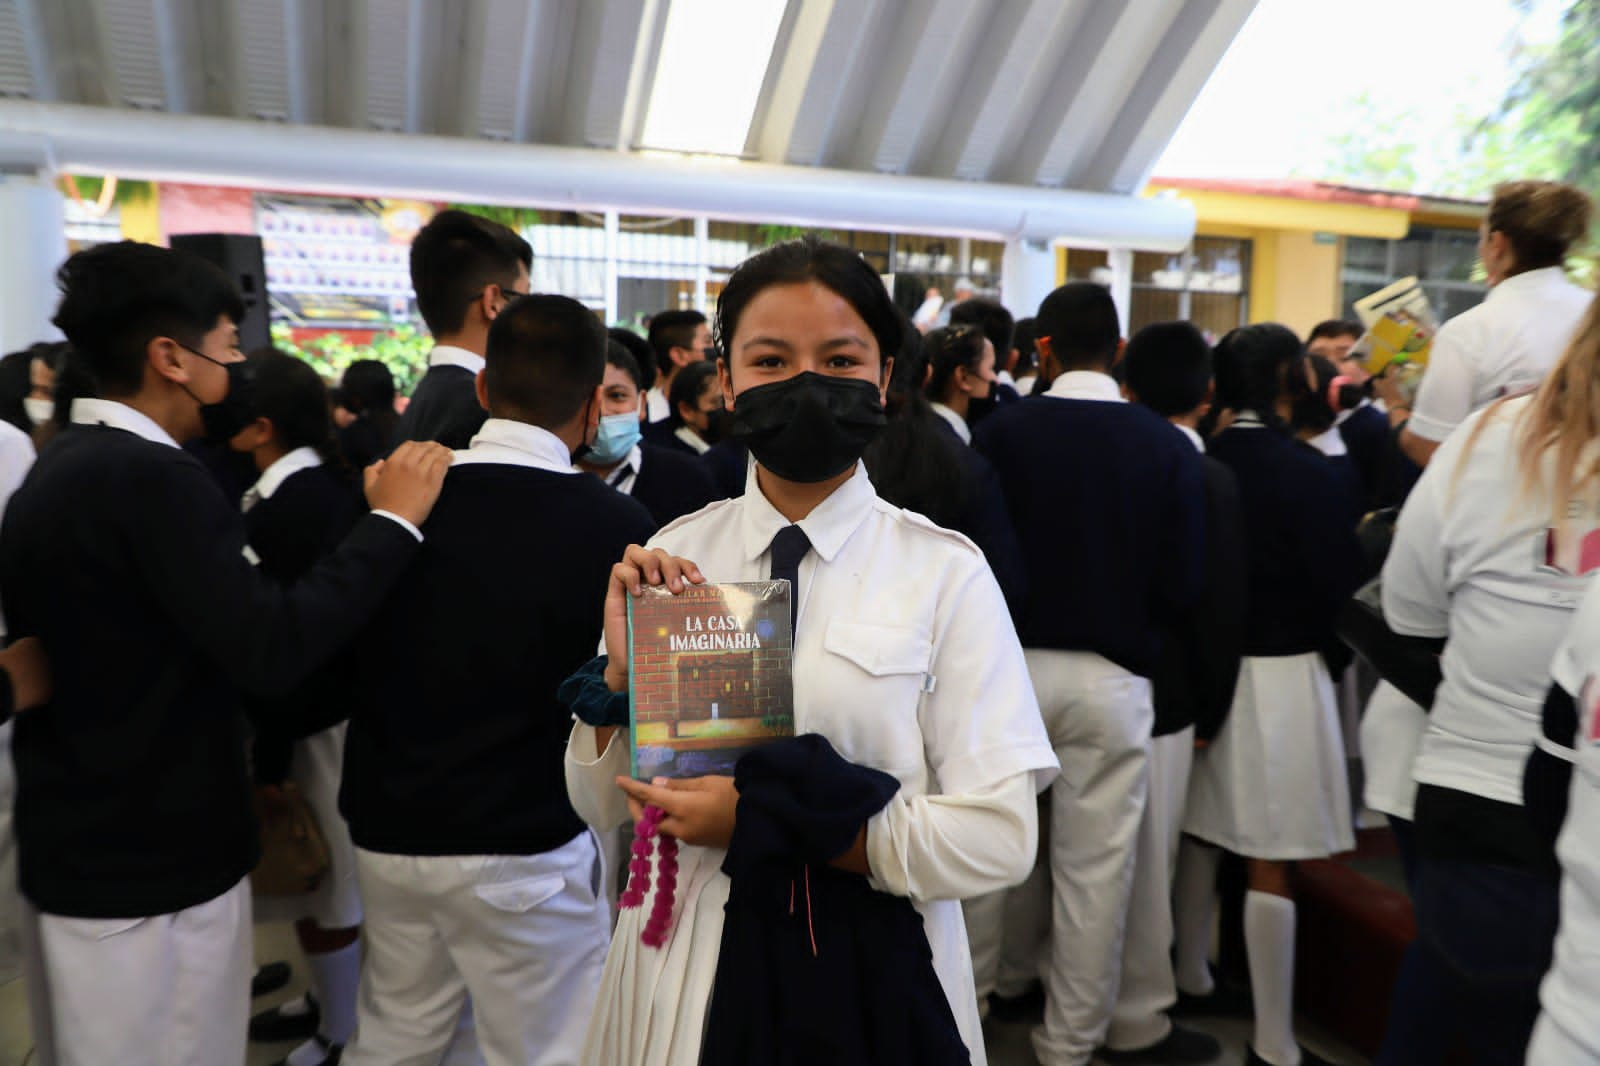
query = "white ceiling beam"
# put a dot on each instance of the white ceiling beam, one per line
(202, 65)
(66, 51)
(326, 50)
(1110, 51)
(1005, 80)
(606, 40)
(443, 85)
(925, 62)
(802, 101)
(1180, 68)
(546, 53)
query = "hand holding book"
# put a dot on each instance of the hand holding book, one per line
(639, 567)
(698, 810)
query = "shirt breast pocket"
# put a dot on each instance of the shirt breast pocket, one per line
(872, 714)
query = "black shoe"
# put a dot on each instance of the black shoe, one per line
(1226, 1000)
(331, 1052)
(268, 979)
(275, 1025)
(1016, 1010)
(1180, 1048)
(1307, 1058)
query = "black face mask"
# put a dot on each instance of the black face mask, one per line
(810, 427)
(224, 419)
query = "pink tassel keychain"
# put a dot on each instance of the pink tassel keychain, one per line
(660, 920)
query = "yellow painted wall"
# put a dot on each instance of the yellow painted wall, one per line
(1307, 289)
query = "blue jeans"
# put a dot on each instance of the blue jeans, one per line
(1485, 935)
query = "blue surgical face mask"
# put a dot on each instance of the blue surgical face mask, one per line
(615, 439)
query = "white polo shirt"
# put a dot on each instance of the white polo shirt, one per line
(1475, 561)
(1502, 347)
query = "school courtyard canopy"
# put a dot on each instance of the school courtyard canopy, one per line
(1027, 121)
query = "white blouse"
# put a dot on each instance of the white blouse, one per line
(900, 664)
(1471, 561)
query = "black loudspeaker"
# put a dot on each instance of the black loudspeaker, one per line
(240, 257)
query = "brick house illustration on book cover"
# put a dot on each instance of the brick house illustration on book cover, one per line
(710, 676)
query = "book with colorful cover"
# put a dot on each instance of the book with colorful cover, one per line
(1400, 327)
(709, 676)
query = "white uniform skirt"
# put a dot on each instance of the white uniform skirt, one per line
(316, 769)
(1274, 784)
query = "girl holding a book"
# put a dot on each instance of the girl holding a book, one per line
(898, 662)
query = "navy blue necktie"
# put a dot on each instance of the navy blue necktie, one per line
(788, 548)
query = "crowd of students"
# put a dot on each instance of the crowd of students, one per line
(1065, 635)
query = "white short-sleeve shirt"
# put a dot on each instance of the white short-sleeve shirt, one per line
(1477, 560)
(1504, 346)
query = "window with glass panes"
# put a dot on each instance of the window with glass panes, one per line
(1207, 284)
(1444, 260)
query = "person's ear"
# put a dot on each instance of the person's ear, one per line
(682, 357)
(964, 378)
(725, 380)
(1122, 346)
(164, 356)
(595, 409)
(480, 385)
(884, 378)
(490, 301)
(644, 408)
(1013, 357)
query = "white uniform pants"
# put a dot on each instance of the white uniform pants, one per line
(1099, 717)
(526, 935)
(1148, 988)
(1009, 929)
(169, 990)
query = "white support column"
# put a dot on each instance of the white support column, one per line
(32, 216)
(1120, 260)
(1027, 276)
(702, 262)
(613, 249)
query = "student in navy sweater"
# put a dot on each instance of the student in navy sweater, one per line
(668, 483)
(133, 814)
(296, 513)
(477, 876)
(465, 269)
(1168, 369)
(1272, 787)
(1108, 503)
(698, 420)
(960, 361)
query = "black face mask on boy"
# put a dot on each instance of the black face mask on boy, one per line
(224, 419)
(810, 427)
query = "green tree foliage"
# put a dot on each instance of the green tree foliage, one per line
(402, 349)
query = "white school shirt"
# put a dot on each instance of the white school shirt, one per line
(1572, 987)
(626, 474)
(273, 477)
(1330, 443)
(1469, 563)
(512, 443)
(956, 422)
(899, 663)
(1086, 385)
(1502, 347)
(450, 355)
(657, 409)
(692, 439)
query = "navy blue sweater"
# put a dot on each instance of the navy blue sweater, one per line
(444, 407)
(1108, 503)
(672, 484)
(1302, 556)
(456, 736)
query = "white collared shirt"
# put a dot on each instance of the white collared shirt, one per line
(657, 409)
(280, 471)
(626, 473)
(1087, 385)
(1330, 443)
(1504, 346)
(1474, 560)
(1194, 437)
(957, 423)
(692, 439)
(87, 411)
(450, 355)
(502, 440)
(899, 663)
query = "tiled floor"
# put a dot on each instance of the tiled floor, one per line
(1008, 1044)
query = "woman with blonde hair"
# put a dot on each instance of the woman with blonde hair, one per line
(1493, 552)
(1506, 344)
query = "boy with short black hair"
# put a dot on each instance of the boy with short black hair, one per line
(678, 339)
(465, 269)
(477, 876)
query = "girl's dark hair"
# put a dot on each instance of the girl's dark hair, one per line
(912, 463)
(1022, 340)
(367, 391)
(292, 395)
(644, 356)
(1252, 364)
(1312, 409)
(689, 384)
(832, 266)
(947, 350)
